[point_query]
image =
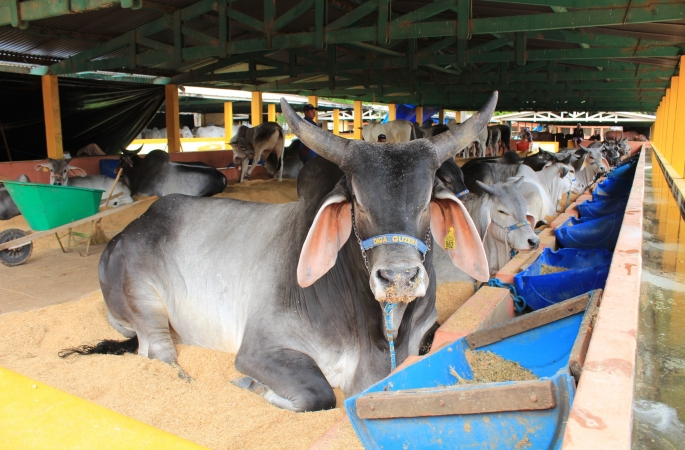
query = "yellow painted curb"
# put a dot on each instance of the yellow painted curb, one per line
(37, 416)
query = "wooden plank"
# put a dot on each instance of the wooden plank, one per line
(40, 234)
(464, 399)
(528, 321)
(580, 346)
(531, 259)
(53, 120)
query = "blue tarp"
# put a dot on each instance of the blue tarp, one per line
(408, 112)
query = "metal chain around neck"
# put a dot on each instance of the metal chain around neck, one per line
(428, 241)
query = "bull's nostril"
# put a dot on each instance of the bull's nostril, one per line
(386, 275)
(412, 274)
(534, 243)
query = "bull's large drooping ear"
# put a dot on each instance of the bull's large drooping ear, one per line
(329, 232)
(447, 144)
(449, 216)
(42, 167)
(78, 171)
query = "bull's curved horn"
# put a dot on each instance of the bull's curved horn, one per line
(326, 144)
(449, 143)
(124, 151)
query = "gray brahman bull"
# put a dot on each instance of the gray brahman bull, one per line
(352, 252)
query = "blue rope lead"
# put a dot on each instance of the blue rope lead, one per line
(388, 331)
(519, 302)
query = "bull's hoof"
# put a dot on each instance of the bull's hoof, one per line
(247, 177)
(182, 374)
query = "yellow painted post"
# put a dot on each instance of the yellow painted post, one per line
(336, 121)
(657, 124)
(357, 119)
(53, 120)
(228, 122)
(314, 100)
(392, 111)
(257, 106)
(419, 115)
(441, 116)
(271, 112)
(664, 120)
(670, 126)
(173, 128)
(679, 129)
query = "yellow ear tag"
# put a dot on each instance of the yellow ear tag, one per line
(449, 240)
(45, 169)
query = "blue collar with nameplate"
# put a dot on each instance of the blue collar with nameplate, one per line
(516, 226)
(394, 239)
(462, 193)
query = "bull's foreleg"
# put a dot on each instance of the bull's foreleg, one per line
(243, 169)
(285, 378)
(255, 160)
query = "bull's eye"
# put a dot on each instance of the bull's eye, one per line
(502, 212)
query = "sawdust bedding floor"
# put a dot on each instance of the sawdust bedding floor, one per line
(209, 410)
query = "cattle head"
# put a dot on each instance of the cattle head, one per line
(503, 215)
(242, 146)
(389, 197)
(59, 171)
(129, 158)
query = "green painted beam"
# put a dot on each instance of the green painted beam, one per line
(573, 3)
(403, 63)
(492, 45)
(594, 38)
(425, 12)
(353, 16)
(44, 9)
(292, 14)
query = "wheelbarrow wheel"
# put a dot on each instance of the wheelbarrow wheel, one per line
(17, 256)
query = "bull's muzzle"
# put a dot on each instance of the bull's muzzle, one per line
(398, 281)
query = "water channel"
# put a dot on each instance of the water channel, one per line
(659, 404)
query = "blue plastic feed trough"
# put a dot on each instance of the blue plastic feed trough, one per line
(423, 406)
(590, 233)
(626, 171)
(614, 187)
(600, 208)
(544, 283)
(109, 167)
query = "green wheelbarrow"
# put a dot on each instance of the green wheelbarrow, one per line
(52, 209)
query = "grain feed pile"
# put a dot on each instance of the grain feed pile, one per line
(209, 410)
(450, 297)
(546, 269)
(488, 367)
